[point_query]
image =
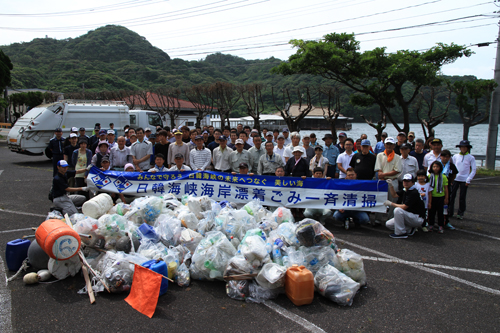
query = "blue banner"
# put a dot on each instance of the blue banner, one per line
(367, 195)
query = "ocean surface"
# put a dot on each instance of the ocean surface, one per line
(450, 134)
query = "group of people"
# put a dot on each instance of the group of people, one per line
(244, 150)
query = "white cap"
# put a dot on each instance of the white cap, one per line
(147, 129)
(74, 129)
(408, 176)
(389, 140)
(298, 148)
(239, 141)
(111, 132)
(73, 135)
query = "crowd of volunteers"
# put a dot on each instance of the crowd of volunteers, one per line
(423, 178)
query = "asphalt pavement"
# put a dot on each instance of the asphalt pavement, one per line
(429, 282)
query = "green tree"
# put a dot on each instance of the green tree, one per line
(5, 77)
(377, 76)
(468, 99)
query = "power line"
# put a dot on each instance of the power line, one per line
(118, 6)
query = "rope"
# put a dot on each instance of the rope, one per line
(23, 267)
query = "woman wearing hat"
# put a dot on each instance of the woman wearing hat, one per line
(466, 165)
(81, 159)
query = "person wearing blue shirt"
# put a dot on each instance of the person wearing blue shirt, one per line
(331, 152)
(380, 147)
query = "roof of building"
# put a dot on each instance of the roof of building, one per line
(316, 112)
(156, 101)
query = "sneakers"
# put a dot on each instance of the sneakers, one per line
(398, 236)
(430, 228)
(460, 217)
(425, 229)
(346, 224)
(441, 230)
(449, 226)
(412, 231)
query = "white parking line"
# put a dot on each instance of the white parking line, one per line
(14, 230)
(5, 301)
(21, 213)
(430, 270)
(414, 263)
(478, 234)
(293, 317)
(1, 172)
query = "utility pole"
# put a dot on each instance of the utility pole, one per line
(6, 95)
(491, 148)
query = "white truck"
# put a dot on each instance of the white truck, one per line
(32, 132)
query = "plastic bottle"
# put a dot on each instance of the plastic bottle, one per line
(277, 256)
(445, 210)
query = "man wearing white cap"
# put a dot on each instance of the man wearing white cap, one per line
(388, 166)
(409, 214)
(111, 139)
(239, 156)
(60, 189)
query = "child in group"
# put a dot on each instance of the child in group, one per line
(319, 161)
(159, 164)
(439, 195)
(466, 165)
(450, 171)
(425, 190)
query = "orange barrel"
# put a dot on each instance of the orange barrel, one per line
(58, 239)
(299, 285)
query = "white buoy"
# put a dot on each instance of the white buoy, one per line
(44, 275)
(97, 206)
(30, 278)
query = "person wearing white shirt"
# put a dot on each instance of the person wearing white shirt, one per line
(409, 164)
(344, 159)
(141, 151)
(285, 135)
(279, 149)
(434, 154)
(221, 156)
(179, 163)
(288, 153)
(159, 164)
(111, 139)
(120, 155)
(466, 166)
(199, 157)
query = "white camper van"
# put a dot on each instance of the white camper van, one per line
(32, 132)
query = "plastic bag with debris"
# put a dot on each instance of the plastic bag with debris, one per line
(316, 257)
(351, 264)
(198, 205)
(312, 233)
(182, 277)
(238, 289)
(335, 285)
(271, 276)
(282, 215)
(260, 294)
(212, 255)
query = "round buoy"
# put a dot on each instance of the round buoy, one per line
(37, 256)
(44, 275)
(58, 239)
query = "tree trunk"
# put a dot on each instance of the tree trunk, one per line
(333, 128)
(172, 122)
(256, 123)
(466, 131)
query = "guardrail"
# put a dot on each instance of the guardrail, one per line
(5, 125)
(483, 158)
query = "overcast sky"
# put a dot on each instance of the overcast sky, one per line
(259, 29)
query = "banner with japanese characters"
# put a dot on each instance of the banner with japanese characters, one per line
(292, 192)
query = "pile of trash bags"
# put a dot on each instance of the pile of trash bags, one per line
(250, 248)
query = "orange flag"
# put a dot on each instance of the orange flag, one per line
(145, 291)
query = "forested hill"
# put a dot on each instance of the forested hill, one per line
(113, 57)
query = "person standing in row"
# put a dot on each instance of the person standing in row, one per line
(297, 166)
(466, 165)
(344, 159)
(319, 161)
(255, 153)
(120, 155)
(270, 161)
(178, 147)
(200, 157)
(141, 151)
(435, 154)
(331, 152)
(388, 166)
(306, 139)
(363, 162)
(439, 195)
(409, 164)
(81, 160)
(56, 147)
(221, 156)
(419, 152)
(239, 156)
(161, 147)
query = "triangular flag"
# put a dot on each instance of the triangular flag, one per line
(145, 291)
